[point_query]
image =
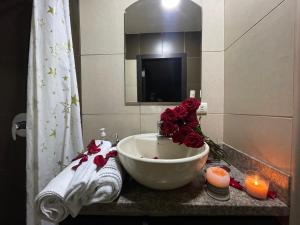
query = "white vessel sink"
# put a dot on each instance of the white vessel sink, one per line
(176, 165)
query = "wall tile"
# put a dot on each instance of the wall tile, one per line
(241, 17)
(132, 46)
(265, 138)
(103, 85)
(130, 72)
(102, 26)
(212, 126)
(130, 81)
(131, 94)
(194, 70)
(149, 123)
(123, 124)
(173, 43)
(193, 44)
(213, 25)
(151, 44)
(153, 109)
(259, 68)
(213, 81)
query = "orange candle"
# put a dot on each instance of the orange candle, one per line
(256, 185)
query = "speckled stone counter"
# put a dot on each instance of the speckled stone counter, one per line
(191, 200)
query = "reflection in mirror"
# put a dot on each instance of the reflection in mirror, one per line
(162, 51)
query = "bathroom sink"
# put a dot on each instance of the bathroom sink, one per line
(158, 163)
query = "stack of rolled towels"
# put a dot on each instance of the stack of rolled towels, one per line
(71, 189)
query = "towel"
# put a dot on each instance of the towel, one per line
(70, 190)
(49, 203)
(91, 185)
(105, 184)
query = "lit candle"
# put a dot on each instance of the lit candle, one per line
(217, 177)
(256, 185)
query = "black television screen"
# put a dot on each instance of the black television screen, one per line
(161, 78)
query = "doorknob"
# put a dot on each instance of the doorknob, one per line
(18, 127)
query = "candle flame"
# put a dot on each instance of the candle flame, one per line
(256, 182)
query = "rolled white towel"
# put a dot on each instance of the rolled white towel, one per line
(105, 184)
(77, 187)
(49, 203)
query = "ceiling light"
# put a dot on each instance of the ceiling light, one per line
(170, 4)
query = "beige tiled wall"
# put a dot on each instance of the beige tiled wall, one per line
(102, 49)
(242, 17)
(258, 80)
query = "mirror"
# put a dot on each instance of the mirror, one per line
(162, 51)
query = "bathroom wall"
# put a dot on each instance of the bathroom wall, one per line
(258, 79)
(102, 71)
(295, 186)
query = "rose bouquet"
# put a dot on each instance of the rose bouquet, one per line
(182, 125)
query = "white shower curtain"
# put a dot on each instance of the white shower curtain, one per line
(54, 133)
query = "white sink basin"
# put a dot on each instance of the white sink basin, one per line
(176, 165)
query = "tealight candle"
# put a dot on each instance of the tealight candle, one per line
(217, 177)
(256, 185)
(218, 183)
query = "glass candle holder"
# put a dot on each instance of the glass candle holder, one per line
(256, 185)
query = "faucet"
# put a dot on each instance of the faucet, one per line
(160, 134)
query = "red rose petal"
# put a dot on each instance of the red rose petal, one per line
(168, 128)
(272, 194)
(235, 184)
(194, 140)
(168, 115)
(112, 153)
(93, 148)
(180, 112)
(100, 161)
(191, 104)
(79, 156)
(83, 159)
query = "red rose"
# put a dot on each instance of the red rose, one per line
(179, 136)
(100, 161)
(93, 148)
(168, 128)
(192, 120)
(191, 104)
(193, 124)
(168, 115)
(194, 140)
(181, 112)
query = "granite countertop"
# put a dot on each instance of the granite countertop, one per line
(191, 200)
